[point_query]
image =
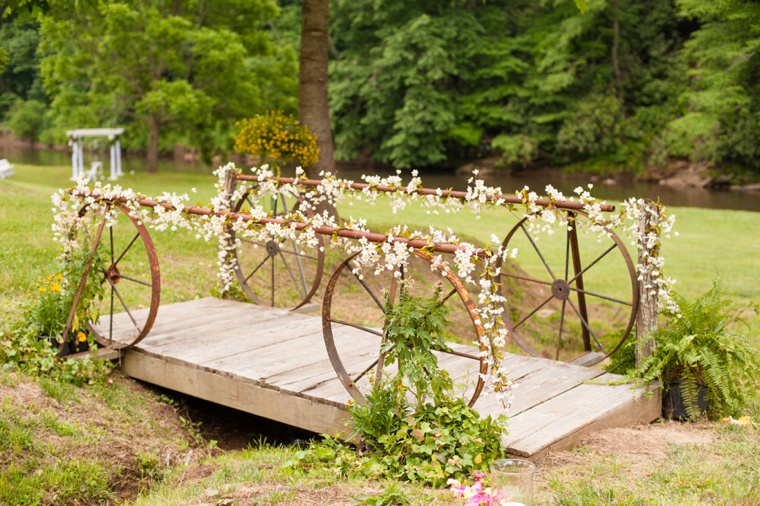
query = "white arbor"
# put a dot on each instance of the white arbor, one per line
(96, 168)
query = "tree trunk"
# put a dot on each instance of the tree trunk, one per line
(313, 106)
(154, 126)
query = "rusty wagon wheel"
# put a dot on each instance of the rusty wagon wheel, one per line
(275, 273)
(580, 292)
(353, 306)
(124, 261)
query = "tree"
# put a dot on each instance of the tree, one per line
(20, 79)
(171, 71)
(721, 106)
(437, 82)
(313, 104)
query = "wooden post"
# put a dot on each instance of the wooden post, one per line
(648, 248)
(230, 183)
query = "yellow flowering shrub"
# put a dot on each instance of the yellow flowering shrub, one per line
(277, 138)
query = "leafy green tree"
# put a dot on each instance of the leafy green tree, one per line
(27, 119)
(169, 71)
(426, 83)
(20, 78)
(722, 103)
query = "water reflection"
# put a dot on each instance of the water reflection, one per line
(674, 197)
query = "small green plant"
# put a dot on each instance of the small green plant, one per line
(703, 346)
(413, 331)
(391, 496)
(21, 346)
(412, 424)
(50, 313)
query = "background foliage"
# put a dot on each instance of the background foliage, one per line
(621, 85)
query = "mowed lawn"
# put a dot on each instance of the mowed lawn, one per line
(709, 241)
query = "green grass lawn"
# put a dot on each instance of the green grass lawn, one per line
(723, 468)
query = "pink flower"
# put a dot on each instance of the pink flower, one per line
(475, 494)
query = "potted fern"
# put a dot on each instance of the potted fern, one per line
(703, 358)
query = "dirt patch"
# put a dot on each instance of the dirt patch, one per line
(639, 448)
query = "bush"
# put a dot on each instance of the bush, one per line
(27, 119)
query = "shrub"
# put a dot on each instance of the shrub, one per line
(277, 138)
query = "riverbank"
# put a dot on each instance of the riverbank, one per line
(678, 174)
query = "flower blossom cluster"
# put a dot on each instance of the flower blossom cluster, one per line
(476, 494)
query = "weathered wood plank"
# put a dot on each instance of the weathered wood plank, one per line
(210, 331)
(542, 385)
(563, 419)
(238, 336)
(354, 352)
(237, 392)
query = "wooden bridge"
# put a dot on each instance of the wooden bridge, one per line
(273, 363)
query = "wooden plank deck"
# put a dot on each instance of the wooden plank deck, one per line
(273, 363)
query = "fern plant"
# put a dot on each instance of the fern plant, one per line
(703, 345)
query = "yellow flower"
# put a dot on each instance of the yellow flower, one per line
(59, 278)
(81, 337)
(55, 287)
(42, 289)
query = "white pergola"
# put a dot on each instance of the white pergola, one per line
(77, 153)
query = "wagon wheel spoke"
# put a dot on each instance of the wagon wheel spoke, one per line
(139, 282)
(589, 266)
(271, 285)
(129, 246)
(585, 324)
(299, 287)
(460, 354)
(114, 290)
(357, 326)
(257, 267)
(561, 328)
(600, 296)
(110, 318)
(526, 278)
(299, 254)
(445, 299)
(367, 288)
(251, 241)
(538, 251)
(371, 366)
(567, 253)
(536, 310)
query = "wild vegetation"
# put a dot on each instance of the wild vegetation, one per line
(621, 86)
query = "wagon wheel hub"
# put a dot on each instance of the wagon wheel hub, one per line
(113, 274)
(560, 289)
(272, 248)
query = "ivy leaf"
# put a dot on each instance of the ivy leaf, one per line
(582, 5)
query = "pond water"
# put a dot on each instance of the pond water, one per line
(673, 197)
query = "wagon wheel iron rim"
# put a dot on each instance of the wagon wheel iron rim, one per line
(302, 269)
(567, 286)
(350, 380)
(131, 276)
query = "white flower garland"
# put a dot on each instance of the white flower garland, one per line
(389, 254)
